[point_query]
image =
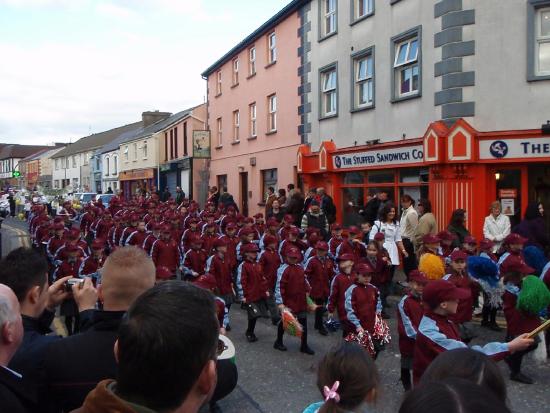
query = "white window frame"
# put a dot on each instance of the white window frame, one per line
(235, 72)
(135, 151)
(74, 161)
(236, 125)
(540, 39)
(329, 24)
(409, 63)
(108, 166)
(367, 80)
(219, 126)
(218, 82)
(144, 149)
(115, 165)
(253, 114)
(57, 164)
(272, 113)
(329, 90)
(252, 61)
(125, 152)
(367, 5)
(272, 47)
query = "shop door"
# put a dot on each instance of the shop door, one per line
(508, 192)
(172, 182)
(539, 189)
(244, 193)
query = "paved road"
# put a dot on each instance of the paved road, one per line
(272, 381)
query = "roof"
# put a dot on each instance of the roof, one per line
(123, 137)
(268, 25)
(36, 155)
(97, 140)
(20, 151)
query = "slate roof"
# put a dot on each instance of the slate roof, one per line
(20, 151)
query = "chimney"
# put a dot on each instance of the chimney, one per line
(151, 117)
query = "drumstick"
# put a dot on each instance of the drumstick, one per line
(539, 329)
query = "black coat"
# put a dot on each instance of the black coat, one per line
(15, 395)
(76, 364)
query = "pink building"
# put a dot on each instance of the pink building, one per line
(253, 112)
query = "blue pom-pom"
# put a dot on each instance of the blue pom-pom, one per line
(534, 257)
(485, 269)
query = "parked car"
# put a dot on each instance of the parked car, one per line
(86, 197)
(105, 199)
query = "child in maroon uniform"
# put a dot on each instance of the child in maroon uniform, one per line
(446, 239)
(270, 261)
(319, 270)
(409, 313)
(486, 249)
(292, 241)
(194, 260)
(208, 237)
(220, 267)
(518, 321)
(469, 246)
(513, 247)
(151, 237)
(336, 240)
(165, 251)
(252, 288)
(340, 283)
(137, 237)
(291, 292)
(91, 265)
(69, 268)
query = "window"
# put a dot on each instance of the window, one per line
(56, 164)
(126, 153)
(115, 165)
(135, 152)
(272, 113)
(74, 161)
(329, 18)
(362, 9)
(329, 106)
(272, 48)
(171, 143)
(176, 154)
(406, 66)
(236, 125)
(67, 160)
(219, 131)
(144, 148)
(107, 166)
(98, 163)
(252, 61)
(86, 158)
(56, 184)
(184, 138)
(235, 72)
(269, 178)
(363, 90)
(219, 82)
(542, 46)
(221, 180)
(252, 115)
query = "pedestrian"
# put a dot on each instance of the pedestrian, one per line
(276, 211)
(180, 195)
(446, 240)
(291, 293)
(512, 247)
(295, 206)
(290, 189)
(436, 333)
(379, 260)
(533, 226)
(352, 244)
(220, 267)
(165, 252)
(410, 310)
(165, 196)
(11, 201)
(281, 197)
(496, 226)
(327, 205)
(347, 379)
(315, 218)
(193, 263)
(292, 242)
(270, 197)
(109, 190)
(311, 196)
(469, 246)
(335, 240)
(426, 222)
(92, 264)
(214, 196)
(270, 261)
(408, 224)
(374, 206)
(69, 268)
(457, 226)
(338, 287)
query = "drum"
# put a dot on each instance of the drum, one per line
(226, 349)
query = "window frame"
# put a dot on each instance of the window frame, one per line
(253, 120)
(235, 71)
(354, 7)
(218, 82)
(144, 150)
(252, 61)
(236, 125)
(272, 114)
(115, 163)
(395, 43)
(219, 131)
(271, 48)
(534, 10)
(365, 53)
(264, 185)
(322, 73)
(323, 16)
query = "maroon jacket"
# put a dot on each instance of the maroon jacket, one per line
(381, 268)
(222, 312)
(66, 269)
(270, 262)
(285, 245)
(517, 321)
(186, 236)
(53, 245)
(465, 307)
(209, 241)
(409, 313)
(148, 243)
(333, 245)
(231, 254)
(221, 270)
(357, 249)
(362, 301)
(61, 255)
(117, 234)
(194, 260)
(336, 299)
(103, 229)
(319, 272)
(292, 287)
(166, 254)
(86, 222)
(251, 282)
(136, 238)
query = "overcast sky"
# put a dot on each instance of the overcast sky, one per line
(71, 67)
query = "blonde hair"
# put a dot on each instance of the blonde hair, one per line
(495, 204)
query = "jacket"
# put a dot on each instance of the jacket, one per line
(68, 381)
(194, 261)
(102, 229)
(208, 242)
(408, 223)
(66, 269)
(336, 299)
(333, 245)
(496, 229)
(436, 334)
(535, 231)
(285, 245)
(270, 262)
(148, 243)
(166, 254)
(517, 321)
(409, 314)
(426, 225)
(90, 267)
(102, 399)
(362, 302)
(251, 283)
(318, 221)
(221, 270)
(136, 238)
(460, 232)
(466, 306)
(349, 247)
(382, 269)
(16, 396)
(292, 288)
(319, 272)
(231, 254)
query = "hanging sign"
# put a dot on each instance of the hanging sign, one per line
(394, 156)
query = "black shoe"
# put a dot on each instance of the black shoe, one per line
(307, 350)
(521, 378)
(251, 337)
(279, 346)
(485, 324)
(323, 331)
(495, 327)
(275, 321)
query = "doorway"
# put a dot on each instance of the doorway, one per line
(509, 192)
(539, 189)
(244, 193)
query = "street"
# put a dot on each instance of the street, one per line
(273, 381)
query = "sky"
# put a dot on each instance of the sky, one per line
(69, 68)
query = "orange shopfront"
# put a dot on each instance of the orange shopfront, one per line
(455, 167)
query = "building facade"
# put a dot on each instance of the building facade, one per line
(253, 111)
(380, 78)
(11, 156)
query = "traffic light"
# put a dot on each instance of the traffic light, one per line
(15, 174)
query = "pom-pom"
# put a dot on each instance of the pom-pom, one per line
(290, 324)
(364, 340)
(311, 306)
(534, 295)
(534, 257)
(432, 266)
(484, 269)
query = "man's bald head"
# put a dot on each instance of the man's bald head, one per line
(126, 274)
(11, 325)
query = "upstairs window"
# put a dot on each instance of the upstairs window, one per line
(363, 91)
(329, 106)
(235, 72)
(219, 131)
(272, 113)
(236, 125)
(252, 114)
(219, 82)
(329, 18)
(252, 61)
(272, 48)
(363, 8)
(406, 65)
(542, 31)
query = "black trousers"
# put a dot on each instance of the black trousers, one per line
(303, 322)
(319, 312)
(514, 360)
(409, 263)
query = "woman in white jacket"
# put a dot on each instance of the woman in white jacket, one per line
(496, 226)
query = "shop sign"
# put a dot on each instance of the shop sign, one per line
(137, 174)
(508, 206)
(508, 193)
(201, 144)
(515, 148)
(394, 156)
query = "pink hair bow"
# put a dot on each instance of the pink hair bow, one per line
(331, 393)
